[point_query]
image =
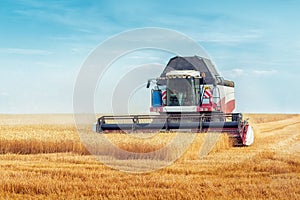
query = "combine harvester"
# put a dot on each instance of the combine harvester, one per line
(189, 94)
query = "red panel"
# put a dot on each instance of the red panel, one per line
(205, 108)
(229, 106)
(156, 109)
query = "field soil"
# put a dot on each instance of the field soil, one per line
(42, 157)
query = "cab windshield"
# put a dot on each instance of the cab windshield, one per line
(181, 92)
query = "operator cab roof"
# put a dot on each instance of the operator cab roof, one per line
(195, 63)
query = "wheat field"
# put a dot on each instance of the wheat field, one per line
(42, 157)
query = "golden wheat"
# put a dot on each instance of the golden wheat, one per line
(48, 161)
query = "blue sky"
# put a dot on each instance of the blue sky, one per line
(44, 43)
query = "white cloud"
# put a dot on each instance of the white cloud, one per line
(222, 38)
(4, 94)
(239, 72)
(265, 72)
(64, 14)
(233, 73)
(22, 51)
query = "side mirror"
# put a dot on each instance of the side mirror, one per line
(148, 84)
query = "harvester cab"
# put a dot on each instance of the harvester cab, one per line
(189, 94)
(185, 92)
